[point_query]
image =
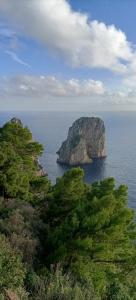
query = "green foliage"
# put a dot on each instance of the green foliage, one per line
(20, 222)
(14, 180)
(88, 230)
(60, 286)
(40, 187)
(91, 230)
(117, 291)
(18, 161)
(12, 272)
(20, 138)
(68, 192)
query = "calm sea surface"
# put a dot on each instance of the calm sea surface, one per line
(51, 129)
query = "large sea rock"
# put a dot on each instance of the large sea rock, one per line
(85, 141)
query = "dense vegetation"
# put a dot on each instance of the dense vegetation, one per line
(70, 241)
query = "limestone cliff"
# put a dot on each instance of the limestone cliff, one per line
(85, 141)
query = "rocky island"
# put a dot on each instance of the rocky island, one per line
(85, 141)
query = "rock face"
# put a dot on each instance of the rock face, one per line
(40, 170)
(85, 141)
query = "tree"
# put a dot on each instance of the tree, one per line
(18, 161)
(91, 229)
(14, 181)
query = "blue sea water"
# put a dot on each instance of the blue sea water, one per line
(50, 128)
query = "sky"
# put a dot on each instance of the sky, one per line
(60, 55)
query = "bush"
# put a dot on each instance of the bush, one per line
(12, 272)
(60, 286)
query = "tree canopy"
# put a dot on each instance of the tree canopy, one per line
(91, 229)
(18, 160)
(68, 241)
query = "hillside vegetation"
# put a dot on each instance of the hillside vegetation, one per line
(70, 241)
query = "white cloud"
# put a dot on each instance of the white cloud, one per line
(15, 57)
(129, 82)
(42, 86)
(50, 93)
(70, 34)
(10, 43)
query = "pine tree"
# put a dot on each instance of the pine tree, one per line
(91, 229)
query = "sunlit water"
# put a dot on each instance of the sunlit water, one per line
(51, 129)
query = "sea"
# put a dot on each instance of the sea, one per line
(51, 129)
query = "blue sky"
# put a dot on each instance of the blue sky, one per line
(121, 13)
(68, 55)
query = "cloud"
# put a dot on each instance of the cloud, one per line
(10, 43)
(42, 86)
(15, 57)
(70, 34)
(51, 93)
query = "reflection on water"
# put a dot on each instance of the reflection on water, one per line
(94, 171)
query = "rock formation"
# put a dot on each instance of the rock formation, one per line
(85, 141)
(40, 170)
